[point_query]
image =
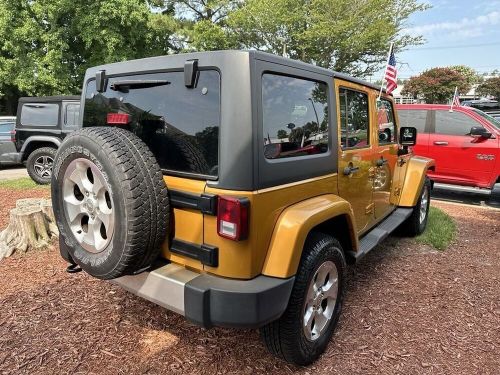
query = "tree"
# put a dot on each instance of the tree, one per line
(490, 86)
(282, 134)
(296, 135)
(203, 23)
(46, 45)
(436, 85)
(468, 73)
(349, 36)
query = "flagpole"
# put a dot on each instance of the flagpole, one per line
(385, 70)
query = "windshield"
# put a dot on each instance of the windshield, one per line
(493, 121)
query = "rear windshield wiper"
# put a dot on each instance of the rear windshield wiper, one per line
(126, 85)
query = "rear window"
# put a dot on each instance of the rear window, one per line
(180, 125)
(413, 117)
(40, 114)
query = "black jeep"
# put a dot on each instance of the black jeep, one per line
(41, 125)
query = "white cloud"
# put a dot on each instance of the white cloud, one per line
(466, 27)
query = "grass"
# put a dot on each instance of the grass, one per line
(440, 231)
(22, 184)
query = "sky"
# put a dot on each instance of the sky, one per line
(456, 32)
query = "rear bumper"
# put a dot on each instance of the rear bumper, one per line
(212, 301)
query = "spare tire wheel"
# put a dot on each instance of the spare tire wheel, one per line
(110, 201)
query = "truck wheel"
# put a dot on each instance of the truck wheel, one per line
(110, 201)
(495, 195)
(302, 333)
(416, 223)
(39, 165)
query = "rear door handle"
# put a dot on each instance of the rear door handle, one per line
(441, 143)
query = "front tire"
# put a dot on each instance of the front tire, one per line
(39, 165)
(416, 223)
(302, 333)
(495, 195)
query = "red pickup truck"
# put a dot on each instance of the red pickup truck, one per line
(464, 142)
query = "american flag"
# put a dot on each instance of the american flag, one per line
(391, 73)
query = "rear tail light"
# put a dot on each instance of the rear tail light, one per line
(118, 118)
(13, 135)
(232, 218)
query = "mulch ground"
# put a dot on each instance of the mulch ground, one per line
(8, 198)
(409, 310)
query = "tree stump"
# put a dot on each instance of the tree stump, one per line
(31, 226)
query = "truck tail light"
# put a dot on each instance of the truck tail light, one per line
(12, 135)
(118, 118)
(232, 218)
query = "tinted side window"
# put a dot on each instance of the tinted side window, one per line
(295, 116)
(454, 123)
(386, 123)
(40, 114)
(71, 115)
(413, 117)
(354, 118)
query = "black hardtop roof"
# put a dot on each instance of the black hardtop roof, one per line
(258, 55)
(42, 99)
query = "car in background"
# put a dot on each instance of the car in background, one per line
(464, 142)
(482, 104)
(7, 140)
(495, 114)
(7, 119)
(42, 124)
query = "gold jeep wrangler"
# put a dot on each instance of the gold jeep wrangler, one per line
(233, 188)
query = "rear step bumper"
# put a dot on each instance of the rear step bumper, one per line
(212, 301)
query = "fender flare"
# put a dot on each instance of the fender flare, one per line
(416, 172)
(293, 226)
(40, 138)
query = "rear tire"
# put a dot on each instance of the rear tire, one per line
(110, 201)
(39, 165)
(304, 330)
(416, 223)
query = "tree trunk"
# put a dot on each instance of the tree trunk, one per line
(31, 226)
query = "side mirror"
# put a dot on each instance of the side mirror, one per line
(408, 136)
(479, 132)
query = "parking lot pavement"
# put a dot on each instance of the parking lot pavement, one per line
(12, 173)
(463, 195)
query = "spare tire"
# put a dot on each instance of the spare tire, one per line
(110, 201)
